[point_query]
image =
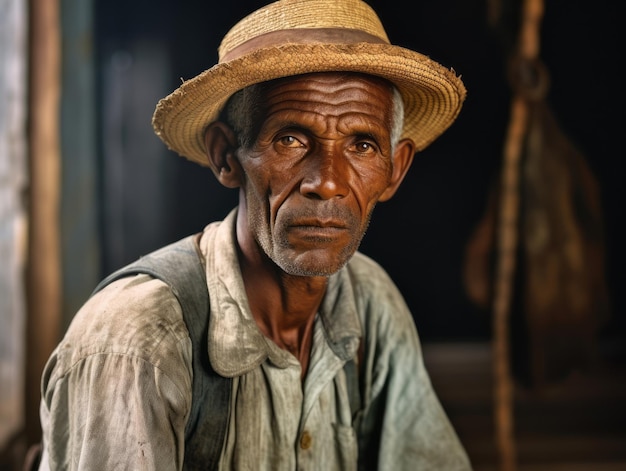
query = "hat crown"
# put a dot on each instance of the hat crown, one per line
(289, 15)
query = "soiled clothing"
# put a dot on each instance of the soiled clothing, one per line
(116, 392)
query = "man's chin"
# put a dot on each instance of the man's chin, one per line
(312, 265)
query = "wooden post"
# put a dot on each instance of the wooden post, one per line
(43, 268)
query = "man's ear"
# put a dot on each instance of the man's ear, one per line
(402, 160)
(220, 144)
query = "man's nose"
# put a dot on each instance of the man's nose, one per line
(326, 175)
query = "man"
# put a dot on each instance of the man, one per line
(315, 118)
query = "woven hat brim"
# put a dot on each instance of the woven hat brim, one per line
(433, 95)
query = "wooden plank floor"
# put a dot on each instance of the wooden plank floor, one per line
(576, 425)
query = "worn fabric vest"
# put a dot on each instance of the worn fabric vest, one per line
(180, 266)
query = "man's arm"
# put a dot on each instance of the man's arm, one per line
(404, 418)
(116, 392)
(403, 426)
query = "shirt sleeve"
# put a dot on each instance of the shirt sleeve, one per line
(403, 425)
(116, 392)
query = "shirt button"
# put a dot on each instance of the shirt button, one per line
(306, 440)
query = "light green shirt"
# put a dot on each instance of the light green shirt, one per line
(116, 392)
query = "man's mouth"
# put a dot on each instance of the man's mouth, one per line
(319, 229)
(319, 223)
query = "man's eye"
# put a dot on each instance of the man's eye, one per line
(364, 147)
(289, 141)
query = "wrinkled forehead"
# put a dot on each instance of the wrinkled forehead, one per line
(338, 78)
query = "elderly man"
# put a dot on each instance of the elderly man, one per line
(255, 362)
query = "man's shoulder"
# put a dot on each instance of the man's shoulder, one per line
(365, 270)
(137, 316)
(376, 294)
(130, 335)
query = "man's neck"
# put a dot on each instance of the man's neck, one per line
(284, 306)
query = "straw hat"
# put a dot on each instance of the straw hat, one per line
(291, 37)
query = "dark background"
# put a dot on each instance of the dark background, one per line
(420, 235)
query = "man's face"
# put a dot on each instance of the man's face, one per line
(319, 164)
